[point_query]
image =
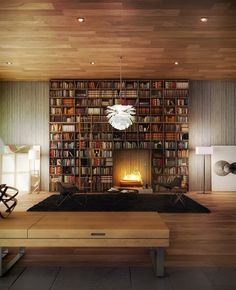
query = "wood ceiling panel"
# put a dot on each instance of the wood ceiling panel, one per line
(44, 40)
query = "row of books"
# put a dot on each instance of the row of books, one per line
(137, 144)
(144, 94)
(101, 145)
(103, 136)
(80, 93)
(96, 111)
(57, 98)
(102, 94)
(178, 118)
(156, 102)
(102, 170)
(64, 110)
(62, 128)
(171, 170)
(156, 94)
(175, 93)
(55, 170)
(158, 84)
(85, 125)
(62, 94)
(58, 153)
(183, 102)
(55, 102)
(106, 179)
(102, 162)
(176, 127)
(84, 102)
(162, 161)
(176, 153)
(64, 118)
(99, 127)
(149, 119)
(62, 84)
(181, 111)
(61, 145)
(68, 102)
(176, 84)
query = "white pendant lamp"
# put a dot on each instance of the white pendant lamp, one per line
(121, 116)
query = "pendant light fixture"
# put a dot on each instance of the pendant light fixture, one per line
(120, 116)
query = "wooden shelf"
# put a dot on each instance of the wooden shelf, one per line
(161, 126)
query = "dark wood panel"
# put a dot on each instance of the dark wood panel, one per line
(24, 118)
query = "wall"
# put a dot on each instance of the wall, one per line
(212, 122)
(24, 120)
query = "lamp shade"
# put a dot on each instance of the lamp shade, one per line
(204, 150)
(120, 116)
(33, 154)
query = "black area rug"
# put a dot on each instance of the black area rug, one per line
(120, 202)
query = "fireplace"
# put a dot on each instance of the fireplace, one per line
(132, 168)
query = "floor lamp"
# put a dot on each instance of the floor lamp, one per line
(204, 151)
(34, 155)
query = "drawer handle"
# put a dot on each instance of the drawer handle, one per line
(98, 234)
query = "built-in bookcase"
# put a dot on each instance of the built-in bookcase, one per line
(82, 141)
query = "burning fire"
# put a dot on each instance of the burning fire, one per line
(133, 176)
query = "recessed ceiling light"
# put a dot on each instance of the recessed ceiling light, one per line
(204, 19)
(176, 62)
(8, 62)
(92, 62)
(80, 19)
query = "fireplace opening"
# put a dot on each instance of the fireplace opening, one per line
(132, 168)
(131, 179)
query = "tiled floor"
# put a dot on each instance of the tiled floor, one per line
(120, 278)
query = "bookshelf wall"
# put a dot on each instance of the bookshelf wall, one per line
(82, 141)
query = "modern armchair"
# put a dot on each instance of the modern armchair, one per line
(175, 183)
(175, 187)
(67, 190)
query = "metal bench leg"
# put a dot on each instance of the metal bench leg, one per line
(7, 266)
(158, 259)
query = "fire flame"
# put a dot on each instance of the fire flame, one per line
(133, 176)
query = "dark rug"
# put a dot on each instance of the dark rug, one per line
(120, 202)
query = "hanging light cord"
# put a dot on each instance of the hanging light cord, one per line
(120, 93)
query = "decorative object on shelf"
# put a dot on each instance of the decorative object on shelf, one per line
(223, 168)
(34, 156)
(204, 151)
(8, 199)
(121, 116)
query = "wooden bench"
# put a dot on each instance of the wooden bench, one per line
(84, 229)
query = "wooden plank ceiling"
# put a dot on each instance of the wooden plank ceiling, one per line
(43, 39)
